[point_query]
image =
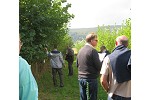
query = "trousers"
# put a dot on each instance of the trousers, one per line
(54, 73)
(88, 89)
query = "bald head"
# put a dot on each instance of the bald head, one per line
(122, 40)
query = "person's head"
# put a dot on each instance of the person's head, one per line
(92, 39)
(102, 48)
(68, 47)
(122, 40)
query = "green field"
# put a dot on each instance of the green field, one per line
(70, 91)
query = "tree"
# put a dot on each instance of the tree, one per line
(42, 23)
(107, 37)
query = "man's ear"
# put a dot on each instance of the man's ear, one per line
(116, 43)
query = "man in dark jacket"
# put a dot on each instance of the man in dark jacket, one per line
(89, 66)
(70, 58)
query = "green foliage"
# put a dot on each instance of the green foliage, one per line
(79, 44)
(107, 37)
(42, 23)
(64, 42)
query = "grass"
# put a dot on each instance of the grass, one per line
(70, 91)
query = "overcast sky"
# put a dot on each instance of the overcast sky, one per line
(91, 13)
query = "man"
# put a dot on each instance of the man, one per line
(56, 62)
(70, 58)
(28, 89)
(116, 71)
(104, 50)
(89, 66)
(103, 53)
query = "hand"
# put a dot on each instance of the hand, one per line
(46, 49)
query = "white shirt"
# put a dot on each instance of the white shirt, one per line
(121, 89)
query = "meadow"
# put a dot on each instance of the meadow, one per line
(70, 91)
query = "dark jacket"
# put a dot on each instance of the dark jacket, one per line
(69, 55)
(88, 63)
(121, 63)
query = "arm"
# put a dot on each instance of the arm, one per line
(104, 83)
(48, 53)
(105, 74)
(97, 62)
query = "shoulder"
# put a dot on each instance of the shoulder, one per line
(55, 51)
(105, 66)
(23, 64)
(106, 62)
(93, 50)
(22, 61)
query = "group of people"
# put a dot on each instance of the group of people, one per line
(113, 68)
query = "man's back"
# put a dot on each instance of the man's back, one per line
(88, 62)
(123, 89)
(56, 59)
(116, 75)
(70, 55)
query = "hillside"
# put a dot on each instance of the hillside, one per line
(80, 33)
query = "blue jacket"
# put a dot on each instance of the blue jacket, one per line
(28, 89)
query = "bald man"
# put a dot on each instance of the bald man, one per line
(115, 73)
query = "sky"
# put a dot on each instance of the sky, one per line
(91, 13)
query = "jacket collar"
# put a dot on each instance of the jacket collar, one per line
(89, 45)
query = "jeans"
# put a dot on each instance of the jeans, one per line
(92, 89)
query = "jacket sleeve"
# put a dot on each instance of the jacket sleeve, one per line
(49, 54)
